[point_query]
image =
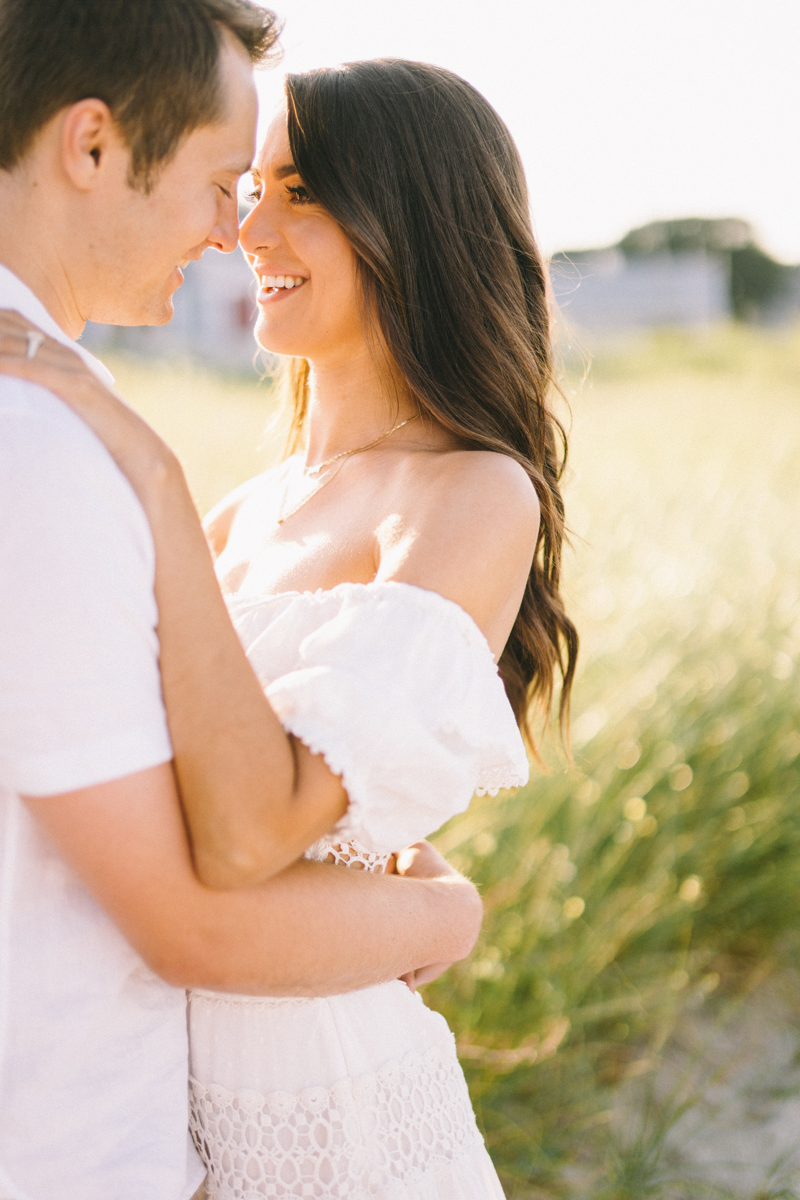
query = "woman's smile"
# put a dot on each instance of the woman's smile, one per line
(276, 287)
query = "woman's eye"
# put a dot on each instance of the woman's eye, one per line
(253, 197)
(298, 194)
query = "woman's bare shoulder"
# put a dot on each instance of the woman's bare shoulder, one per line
(470, 471)
(478, 496)
(472, 522)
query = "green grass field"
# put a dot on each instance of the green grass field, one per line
(656, 882)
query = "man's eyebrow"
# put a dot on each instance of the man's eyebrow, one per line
(237, 168)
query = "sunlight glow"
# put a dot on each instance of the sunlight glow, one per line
(624, 111)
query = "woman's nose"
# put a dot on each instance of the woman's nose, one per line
(257, 232)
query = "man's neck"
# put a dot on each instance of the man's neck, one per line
(33, 255)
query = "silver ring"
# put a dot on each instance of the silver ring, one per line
(34, 340)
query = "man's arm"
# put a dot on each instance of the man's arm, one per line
(313, 929)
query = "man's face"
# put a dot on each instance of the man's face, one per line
(134, 244)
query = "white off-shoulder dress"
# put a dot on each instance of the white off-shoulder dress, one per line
(358, 1096)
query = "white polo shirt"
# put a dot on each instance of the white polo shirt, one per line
(93, 1046)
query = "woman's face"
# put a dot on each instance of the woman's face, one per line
(308, 297)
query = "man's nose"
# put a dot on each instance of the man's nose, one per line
(225, 234)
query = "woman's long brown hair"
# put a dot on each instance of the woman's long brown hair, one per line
(426, 182)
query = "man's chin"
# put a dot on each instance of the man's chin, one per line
(164, 315)
(151, 312)
(148, 305)
(160, 309)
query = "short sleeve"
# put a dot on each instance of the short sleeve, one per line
(396, 687)
(80, 693)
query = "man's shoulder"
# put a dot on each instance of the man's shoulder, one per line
(37, 411)
(49, 458)
(36, 425)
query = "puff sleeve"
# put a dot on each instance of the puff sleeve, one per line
(396, 687)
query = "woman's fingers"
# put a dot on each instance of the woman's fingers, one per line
(427, 974)
(19, 340)
(134, 446)
(15, 346)
(16, 343)
(64, 382)
(418, 978)
(15, 330)
(58, 369)
(53, 365)
(14, 319)
(24, 368)
(421, 861)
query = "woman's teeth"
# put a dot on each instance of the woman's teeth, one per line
(282, 281)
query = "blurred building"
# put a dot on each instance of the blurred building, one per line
(215, 312)
(690, 272)
(603, 290)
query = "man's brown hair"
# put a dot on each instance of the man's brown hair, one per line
(155, 63)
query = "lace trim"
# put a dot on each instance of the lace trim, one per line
(347, 854)
(492, 779)
(231, 1000)
(366, 1137)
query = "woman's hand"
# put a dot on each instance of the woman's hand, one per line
(137, 449)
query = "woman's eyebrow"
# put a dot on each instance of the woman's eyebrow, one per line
(285, 171)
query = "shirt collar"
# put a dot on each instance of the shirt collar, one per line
(17, 295)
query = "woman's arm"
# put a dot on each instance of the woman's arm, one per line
(254, 797)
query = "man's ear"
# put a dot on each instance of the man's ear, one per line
(89, 136)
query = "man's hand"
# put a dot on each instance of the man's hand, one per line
(421, 861)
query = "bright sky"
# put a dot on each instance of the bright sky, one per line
(624, 111)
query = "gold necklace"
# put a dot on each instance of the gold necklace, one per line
(327, 462)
